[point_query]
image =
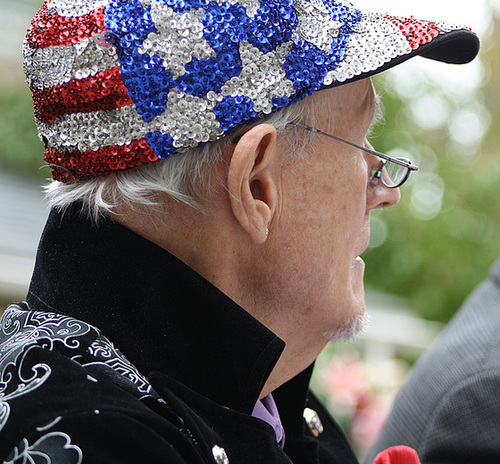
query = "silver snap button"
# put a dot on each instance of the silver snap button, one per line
(219, 455)
(313, 422)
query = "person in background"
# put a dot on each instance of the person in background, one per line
(449, 408)
(212, 186)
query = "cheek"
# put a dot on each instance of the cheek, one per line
(323, 205)
(326, 216)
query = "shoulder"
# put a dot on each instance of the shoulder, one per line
(457, 425)
(467, 350)
(463, 427)
(450, 394)
(28, 336)
(66, 391)
(469, 344)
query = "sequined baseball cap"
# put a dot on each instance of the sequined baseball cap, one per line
(120, 83)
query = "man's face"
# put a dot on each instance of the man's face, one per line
(322, 226)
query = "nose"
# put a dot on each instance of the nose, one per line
(378, 195)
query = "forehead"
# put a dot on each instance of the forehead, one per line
(347, 104)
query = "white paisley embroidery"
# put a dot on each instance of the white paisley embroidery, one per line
(104, 350)
(52, 448)
(20, 332)
(20, 328)
(21, 385)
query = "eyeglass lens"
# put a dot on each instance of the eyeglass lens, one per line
(395, 174)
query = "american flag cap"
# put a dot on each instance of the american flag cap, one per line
(120, 83)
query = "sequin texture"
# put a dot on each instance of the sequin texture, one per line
(120, 83)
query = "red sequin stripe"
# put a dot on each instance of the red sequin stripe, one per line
(50, 29)
(76, 165)
(416, 32)
(103, 91)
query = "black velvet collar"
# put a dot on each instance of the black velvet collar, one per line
(160, 313)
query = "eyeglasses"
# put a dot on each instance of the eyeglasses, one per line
(393, 172)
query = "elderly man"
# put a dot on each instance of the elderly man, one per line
(211, 198)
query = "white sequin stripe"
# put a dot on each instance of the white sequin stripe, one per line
(188, 119)
(262, 77)
(83, 131)
(374, 42)
(447, 27)
(47, 67)
(74, 8)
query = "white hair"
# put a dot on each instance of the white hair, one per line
(350, 331)
(185, 176)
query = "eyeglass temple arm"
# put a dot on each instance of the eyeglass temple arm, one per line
(368, 150)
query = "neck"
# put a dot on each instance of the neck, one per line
(216, 253)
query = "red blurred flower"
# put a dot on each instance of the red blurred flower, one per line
(397, 455)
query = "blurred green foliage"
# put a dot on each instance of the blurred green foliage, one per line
(440, 241)
(20, 148)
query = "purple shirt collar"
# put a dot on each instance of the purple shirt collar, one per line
(267, 411)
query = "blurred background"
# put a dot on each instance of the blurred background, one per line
(425, 255)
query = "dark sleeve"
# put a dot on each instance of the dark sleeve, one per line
(460, 426)
(95, 437)
(465, 425)
(53, 412)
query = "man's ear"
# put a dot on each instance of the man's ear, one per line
(254, 174)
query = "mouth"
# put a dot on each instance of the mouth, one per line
(358, 258)
(358, 261)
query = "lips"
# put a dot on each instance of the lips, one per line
(363, 249)
(358, 261)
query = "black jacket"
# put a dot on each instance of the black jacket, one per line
(178, 382)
